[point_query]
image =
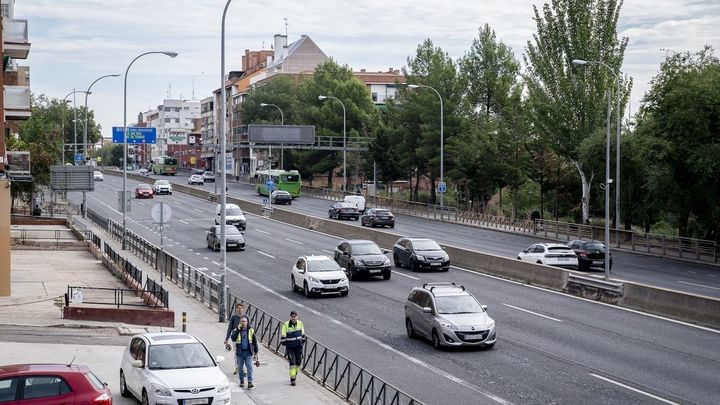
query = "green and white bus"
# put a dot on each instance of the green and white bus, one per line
(164, 165)
(284, 180)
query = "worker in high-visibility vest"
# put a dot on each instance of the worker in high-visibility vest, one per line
(293, 338)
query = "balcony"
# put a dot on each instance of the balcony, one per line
(17, 103)
(15, 37)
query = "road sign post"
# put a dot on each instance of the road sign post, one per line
(161, 214)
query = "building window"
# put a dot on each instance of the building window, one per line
(168, 120)
(374, 96)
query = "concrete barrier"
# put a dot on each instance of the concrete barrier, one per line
(675, 304)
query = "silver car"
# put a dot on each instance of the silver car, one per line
(448, 315)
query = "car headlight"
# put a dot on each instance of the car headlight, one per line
(160, 390)
(313, 279)
(421, 258)
(224, 386)
(491, 324)
(358, 262)
(448, 325)
(343, 279)
(386, 262)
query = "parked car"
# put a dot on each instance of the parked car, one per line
(36, 384)
(208, 177)
(196, 179)
(342, 210)
(448, 315)
(143, 190)
(378, 217)
(280, 197)
(551, 254)
(318, 275)
(233, 238)
(357, 200)
(420, 253)
(97, 175)
(233, 216)
(172, 368)
(589, 254)
(162, 187)
(362, 258)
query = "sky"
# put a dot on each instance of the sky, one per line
(73, 42)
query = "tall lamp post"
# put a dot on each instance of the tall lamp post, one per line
(85, 140)
(608, 180)
(442, 142)
(124, 162)
(65, 99)
(617, 144)
(344, 139)
(282, 122)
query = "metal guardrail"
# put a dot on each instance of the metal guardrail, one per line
(102, 296)
(157, 291)
(57, 235)
(125, 265)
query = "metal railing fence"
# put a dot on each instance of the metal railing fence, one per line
(104, 296)
(157, 291)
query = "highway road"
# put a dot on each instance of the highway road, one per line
(552, 348)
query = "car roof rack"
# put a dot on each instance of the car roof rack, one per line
(441, 284)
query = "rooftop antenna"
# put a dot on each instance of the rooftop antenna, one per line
(72, 361)
(286, 25)
(193, 87)
(169, 92)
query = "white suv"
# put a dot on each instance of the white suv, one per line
(172, 368)
(319, 275)
(448, 316)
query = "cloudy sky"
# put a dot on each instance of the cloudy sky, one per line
(76, 41)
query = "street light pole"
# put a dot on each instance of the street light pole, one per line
(442, 142)
(344, 187)
(223, 173)
(65, 100)
(124, 162)
(282, 123)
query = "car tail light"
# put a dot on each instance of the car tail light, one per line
(103, 399)
(582, 253)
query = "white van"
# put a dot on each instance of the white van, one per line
(357, 200)
(233, 216)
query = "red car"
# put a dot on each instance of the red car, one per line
(143, 191)
(51, 384)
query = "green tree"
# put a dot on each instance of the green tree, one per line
(567, 103)
(679, 124)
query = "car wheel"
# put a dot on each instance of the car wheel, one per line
(386, 276)
(396, 260)
(409, 329)
(330, 215)
(413, 266)
(392, 226)
(208, 244)
(539, 262)
(290, 203)
(352, 276)
(216, 247)
(306, 290)
(123, 386)
(145, 398)
(294, 286)
(435, 340)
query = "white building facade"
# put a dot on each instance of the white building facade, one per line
(174, 121)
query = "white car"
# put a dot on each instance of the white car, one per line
(172, 368)
(357, 200)
(319, 275)
(162, 187)
(551, 254)
(233, 216)
(143, 172)
(97, 175)
(196, 179)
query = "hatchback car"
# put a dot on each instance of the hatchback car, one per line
(143, 191)
(589, 254)
(318, 275)
(233, 216)
(143, 172)
(196, 179)
(162, 187)
(341, 210)
(448, 315)
(551, 254)
(39, 384)
(233, 238)
(208, 177)
(97, 175)
(280, 197)
(172, 368)
(420, 253)
(378, 217)
(362, 258)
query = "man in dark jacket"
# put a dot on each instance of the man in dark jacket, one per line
(246, 349)
(233, 324)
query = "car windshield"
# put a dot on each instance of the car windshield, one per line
(345, 205)
(290, 178)
(229, 230)
(557, 248)
(366, 249)
(208, 173)
(144, 187)
(96, 172)
(162, 183)
(178, 356)
(382, 212)
(233, 211)
(457, 304)
(426, 245)
(322, 265)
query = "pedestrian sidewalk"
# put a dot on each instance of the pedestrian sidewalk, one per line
(40, 277)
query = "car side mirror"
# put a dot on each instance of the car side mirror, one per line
(484, 307)
(384, 251)
(442, 247)
(427, 310)
(343, 269)
(137, 363)
(524, 251)
(219, 358)
(345, 254)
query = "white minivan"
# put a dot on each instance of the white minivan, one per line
(233, 216)
(357, 200)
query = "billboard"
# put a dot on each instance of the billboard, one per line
(72, 178)
(281, 134)
(177, 137)
(135, 135)
(19, 162)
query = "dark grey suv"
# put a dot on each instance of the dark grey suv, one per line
(362, 258)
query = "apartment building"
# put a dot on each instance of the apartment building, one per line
(381, 85)
(174, 120)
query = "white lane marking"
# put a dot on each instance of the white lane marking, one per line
(190, 250)
(405, 275)
(265, 254)
(141, 203)
(294, 241)
(327, 251)
(698, 285)
(421, 363)
(634, 389)
(186, 223)
(590, 301)
(198, 209)
(215, 263)
(692, 272)
(177, 202)
(206, 258)
(531, 312)
(261, 231)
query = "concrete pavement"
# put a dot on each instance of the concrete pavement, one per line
(40, 277)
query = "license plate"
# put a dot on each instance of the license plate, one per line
(384, 217)
(232, 244)
(435, 264)
(563, 259)
(196, 401)
(473, 337)
(598, 262)
(374, 271)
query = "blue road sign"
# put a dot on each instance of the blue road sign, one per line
(79, 157)
(265, 200)
(442, 187)
(135, 135)
(270, 185)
